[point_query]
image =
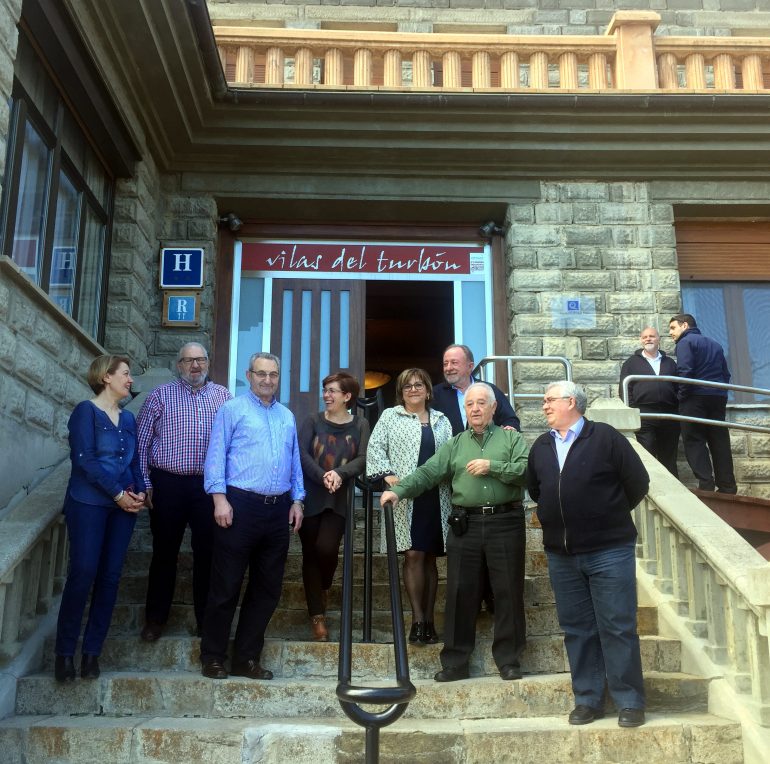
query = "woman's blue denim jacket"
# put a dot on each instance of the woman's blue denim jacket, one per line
(104, 457)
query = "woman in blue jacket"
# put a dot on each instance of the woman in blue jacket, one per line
(104, 494)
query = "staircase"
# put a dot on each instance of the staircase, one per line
(151, 704)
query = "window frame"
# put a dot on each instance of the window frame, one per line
(24, 112)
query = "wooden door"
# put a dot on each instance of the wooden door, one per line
(317, 329)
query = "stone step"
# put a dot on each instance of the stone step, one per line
(292, 623)
(184, 693)
(141, 542)
(132, 590)
(543, 655)
(138, 564)
(676, 739)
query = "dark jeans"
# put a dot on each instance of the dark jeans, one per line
(700, 439)
(661, 438)
(98, 539)
(596, 604)
(178, 501)
(258, 540)
(320, 536)
(497, 542)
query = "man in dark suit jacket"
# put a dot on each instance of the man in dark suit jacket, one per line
(449, 399)
(448, 395)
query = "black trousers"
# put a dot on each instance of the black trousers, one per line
(661, 438)
(497, 542)
(258, 540)
(178, 501)
(700, 439)
(320, 536)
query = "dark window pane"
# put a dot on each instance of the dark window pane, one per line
(65, 245)
(91, 284)
(756, 301)
(31, 204)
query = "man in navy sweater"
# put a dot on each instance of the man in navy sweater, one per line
(586, 478)
(699, 357)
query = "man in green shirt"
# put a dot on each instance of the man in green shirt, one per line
(487, 466)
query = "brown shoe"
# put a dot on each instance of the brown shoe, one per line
(318, 627)
(151, 631)
(214, 669)
(250, 669)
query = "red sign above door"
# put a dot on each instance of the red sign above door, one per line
(355, 257)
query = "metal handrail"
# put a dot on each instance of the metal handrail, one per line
(480, 370)
(366, 406)
(699, 383)
(349, 695)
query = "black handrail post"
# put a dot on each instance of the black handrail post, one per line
(397, 697)
(368, 555)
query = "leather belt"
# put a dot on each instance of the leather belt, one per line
(492, 509)
(258, 497)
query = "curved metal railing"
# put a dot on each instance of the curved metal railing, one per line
(509, 360)
(699, 383)
(397, 697)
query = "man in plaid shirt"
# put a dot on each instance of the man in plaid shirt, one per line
(173, 430)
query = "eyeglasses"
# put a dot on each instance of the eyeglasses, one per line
(549, 401)
(190, 361)
(331, 391)
(263, 375)
(416, 386)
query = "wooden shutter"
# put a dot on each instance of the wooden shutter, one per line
(723, 251)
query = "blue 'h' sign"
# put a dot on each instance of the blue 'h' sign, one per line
(181, 267)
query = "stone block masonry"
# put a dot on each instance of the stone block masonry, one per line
(44, 357)
(551, 17)
(566, 245)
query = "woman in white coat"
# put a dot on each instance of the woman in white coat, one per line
(405, 437)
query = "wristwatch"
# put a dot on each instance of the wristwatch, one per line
(301, 504)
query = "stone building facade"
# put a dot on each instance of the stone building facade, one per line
(609, 238)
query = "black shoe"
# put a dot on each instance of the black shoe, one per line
(214, 669)
(631, 717)
(151, 631)
(64, 668)
(429, 636)
(250, 669)
(417, 633)
(509, 671)
(89, 667)
(452, 674)
(585, 715)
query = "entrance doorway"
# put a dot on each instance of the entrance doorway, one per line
(324, 306)
(408, 324)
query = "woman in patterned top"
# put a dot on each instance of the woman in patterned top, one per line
(405, 437)
(332, 446)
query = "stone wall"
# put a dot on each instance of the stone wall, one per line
(678, 17)
(188, 220)
(152, 212)
(611, 245)
(43, 360)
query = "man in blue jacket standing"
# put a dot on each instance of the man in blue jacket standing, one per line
(699, 357)
(586, 478)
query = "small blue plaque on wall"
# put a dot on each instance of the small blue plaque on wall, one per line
(181, 268)
(181, 309)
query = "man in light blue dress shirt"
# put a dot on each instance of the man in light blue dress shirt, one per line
(254, 474)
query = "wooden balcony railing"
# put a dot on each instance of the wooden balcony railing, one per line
(627, 58)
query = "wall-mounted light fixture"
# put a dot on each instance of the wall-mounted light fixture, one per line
(489, 229)
(232, 221)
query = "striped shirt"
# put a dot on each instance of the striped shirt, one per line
(254, 447)
(174, 425)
